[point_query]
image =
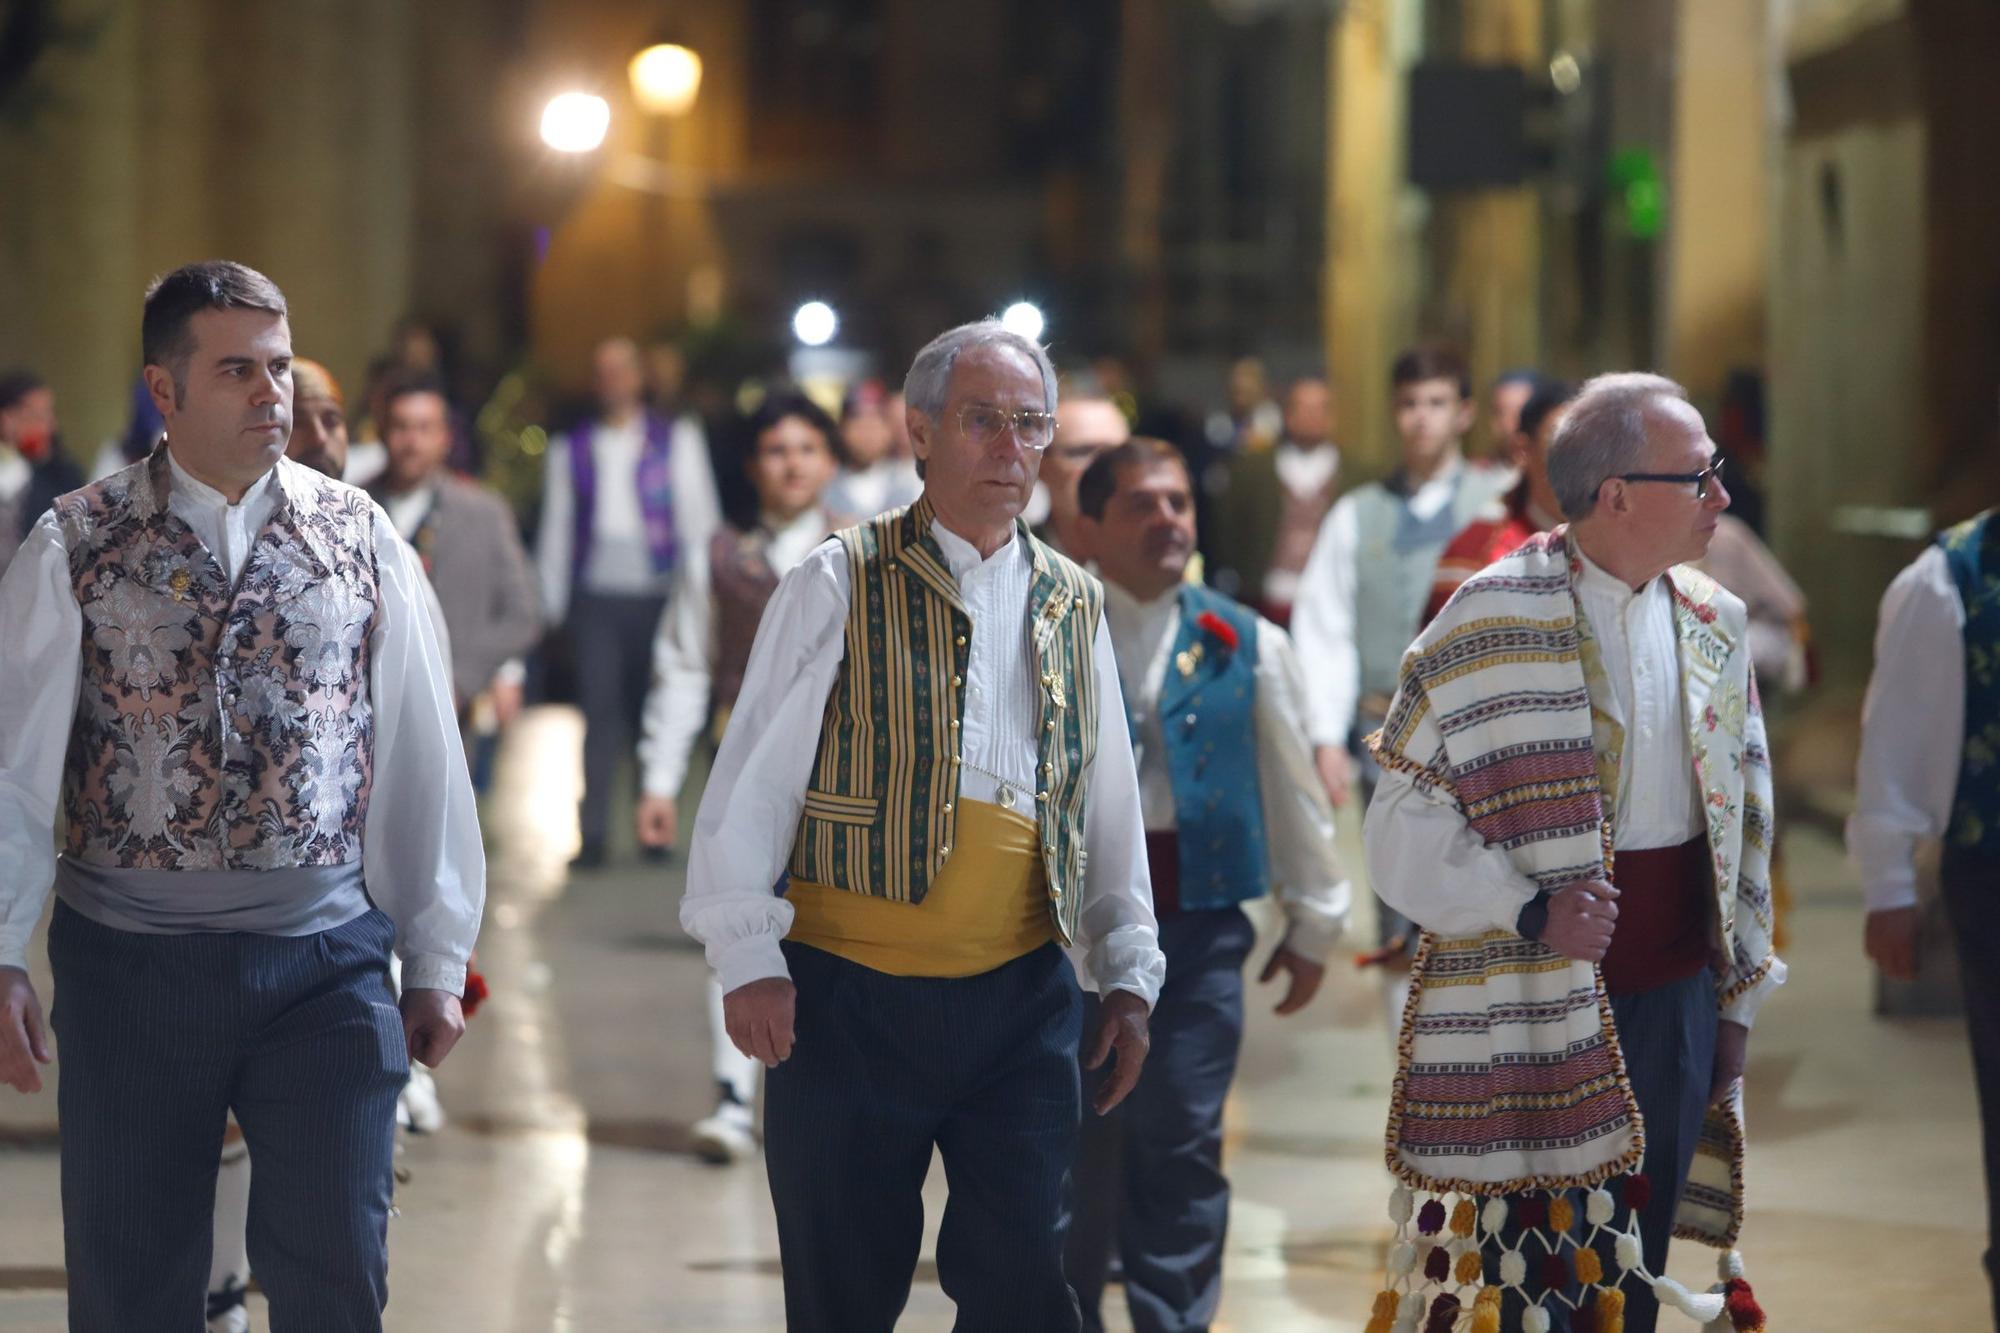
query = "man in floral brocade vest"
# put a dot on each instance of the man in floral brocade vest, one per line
(222, 672)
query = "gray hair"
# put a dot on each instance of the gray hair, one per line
(1603, 435)
(928, 385)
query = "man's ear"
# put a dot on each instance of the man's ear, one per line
(161, 388)
(1468, 412)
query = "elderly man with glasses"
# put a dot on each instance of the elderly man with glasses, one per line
(928, 747)
(1576, 803)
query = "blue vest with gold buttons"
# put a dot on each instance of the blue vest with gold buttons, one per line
(1969, 552)
(1208, 715)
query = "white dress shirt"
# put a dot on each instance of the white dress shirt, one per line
(421, 854)
(685, 650)
(865, 492)
(621, 556)
(1323, 612)
(1306, 472)
(15, 474)
(1306, 878)
(1428, 863)
(1912, 731)
(750, 813)
(409, 510)
(406, 513)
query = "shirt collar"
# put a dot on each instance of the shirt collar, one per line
(1598, 582)
(962, 557)
(187, 484)
(1130, 617)
(814, 518)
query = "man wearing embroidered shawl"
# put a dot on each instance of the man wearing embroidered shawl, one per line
(928, 746)
(1588, 694)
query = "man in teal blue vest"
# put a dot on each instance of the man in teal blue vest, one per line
(1366, 585)
(1214, 701)
(1929, 736)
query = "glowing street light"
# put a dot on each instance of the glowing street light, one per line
(1024, 319)
(575, 122)
(666, 78)
(814, 323)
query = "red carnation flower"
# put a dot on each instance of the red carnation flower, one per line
(1224, 632)
(475, 992)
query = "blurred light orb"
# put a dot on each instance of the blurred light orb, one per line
(1024, 319)
(814, 323)
(575, 122)
(1565, 73)
(666, 79)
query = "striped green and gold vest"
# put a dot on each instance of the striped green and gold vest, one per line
(880, 808)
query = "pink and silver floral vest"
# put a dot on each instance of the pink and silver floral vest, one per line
(220, 728)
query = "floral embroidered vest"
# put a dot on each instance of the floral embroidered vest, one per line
(881, 806)
(220, 728)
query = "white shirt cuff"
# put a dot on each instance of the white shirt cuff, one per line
(1129, 959)
(1311, 937)
(750, 958)
(434, 971)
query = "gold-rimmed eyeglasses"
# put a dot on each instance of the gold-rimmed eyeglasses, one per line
(983, 423)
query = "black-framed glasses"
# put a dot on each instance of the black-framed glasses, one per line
(982, 424)
(1699, 480)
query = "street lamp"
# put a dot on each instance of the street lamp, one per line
(666, 79)
(1024, 319)
(575, 122)
(814, 323)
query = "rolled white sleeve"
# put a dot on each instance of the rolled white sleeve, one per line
(1306, 876)
(1323, 629)
(1429, 864)
(749, 814)
(683, 670)
(1117, 934)
(421, 851)
(1912, 731)
(41, 665)
(556, 532)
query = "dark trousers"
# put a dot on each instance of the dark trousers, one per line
(1390, 924)
(1972, 901)
(1148, 1177)
(162, 1036)
(613, 641)
(1668, 1039)
(984, 1069)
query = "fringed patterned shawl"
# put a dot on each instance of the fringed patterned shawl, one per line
(1510, 1079)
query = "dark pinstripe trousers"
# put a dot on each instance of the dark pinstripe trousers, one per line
(885, 1067)
(160, 1036)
